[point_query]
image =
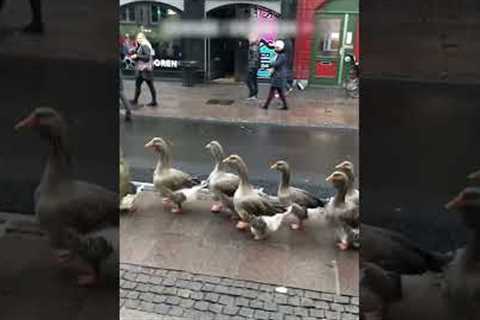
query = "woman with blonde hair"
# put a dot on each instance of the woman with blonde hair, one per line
(143, 56)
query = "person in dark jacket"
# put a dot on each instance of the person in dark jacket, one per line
(253, 66)
(279, 76)
(143, 56)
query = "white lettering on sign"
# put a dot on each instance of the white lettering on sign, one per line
(166, 63)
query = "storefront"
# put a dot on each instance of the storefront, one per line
(136, 16)
(328, 34)
(228, 57)
(219, 57)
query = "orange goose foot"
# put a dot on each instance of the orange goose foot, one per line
(216, 208)
(343, 246)
(242, 225)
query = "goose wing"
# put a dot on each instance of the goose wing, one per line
(225, 182)
(305, 198)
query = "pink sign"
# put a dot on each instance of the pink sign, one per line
(267, 23)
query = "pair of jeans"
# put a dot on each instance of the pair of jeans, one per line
(252, 83)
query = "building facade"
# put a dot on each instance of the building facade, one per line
(327, 31)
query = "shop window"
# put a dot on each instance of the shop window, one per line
(127, 14)
(330, 41)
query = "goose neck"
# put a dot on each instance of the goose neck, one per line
(163, 161)
(340, 195)
(285, 180)
(59, 163)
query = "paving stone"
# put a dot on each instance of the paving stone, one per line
(290, 317)
(352, 309)
(169, 282)
(267, 288)
(280, 298)
(246, 312)
(354, 301)
(270, 306)
(143, 288)
(147, 296)
(227, 282)
(349, 316)
(170, 291)
(277, 316)
(162, 308)
(184, 293)
(341, 299)
(303, 312)
(159, 298)
(123, 293)
(175, 311)
(157, 289)
(143, 278)
(147, 306)
(196, 295)
(236, 292)
(257, 304)
(226, 300)
(155, 280)
(252, 285)
(306, 302)
(294, 301)
(215, 308)
(187, 303)
(127, 285)
(327, 297)
(130, 276)
(242, 302)
(201, 305)
(260, 315)
(212, 297)
(336, 307)
(330, 315)
(322, 305)
(222, 317)
(208, 287)
(230, 310)
(195, 286)
(132, 304)
(122, 303)
(221, 289)
(285, 309)
(185, 276)
(317, 313)
(313, 295)
(173, 300)
(266, 297)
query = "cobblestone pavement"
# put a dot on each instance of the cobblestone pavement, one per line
(314, 107)
(195, 296)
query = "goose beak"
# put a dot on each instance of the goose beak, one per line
(273, 166)
(329, 178)
(208, 146)
(474, 175)
(148, 145)
(28, 122)
(455, 203)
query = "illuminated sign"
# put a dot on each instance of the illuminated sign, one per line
(166, 63)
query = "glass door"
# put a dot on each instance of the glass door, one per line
(327, 49)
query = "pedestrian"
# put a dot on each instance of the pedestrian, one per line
(123, 98)
(253, 66)
(279, 76)
(143, 56)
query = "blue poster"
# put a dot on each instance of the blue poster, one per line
(267, 55)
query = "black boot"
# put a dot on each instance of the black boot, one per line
(128, 116)
(153, 104)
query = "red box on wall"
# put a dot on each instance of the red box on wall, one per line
(326, 69)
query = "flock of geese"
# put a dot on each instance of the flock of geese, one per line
(261, 213)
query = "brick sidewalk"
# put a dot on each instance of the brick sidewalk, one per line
(170, 293)
(323, 107)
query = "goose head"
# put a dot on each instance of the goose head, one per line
(236, 162)
(216, 149)
(338, 179)
(46, 121)
(467, 203)
(346, 167)
(281, 166)
(157, 144)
